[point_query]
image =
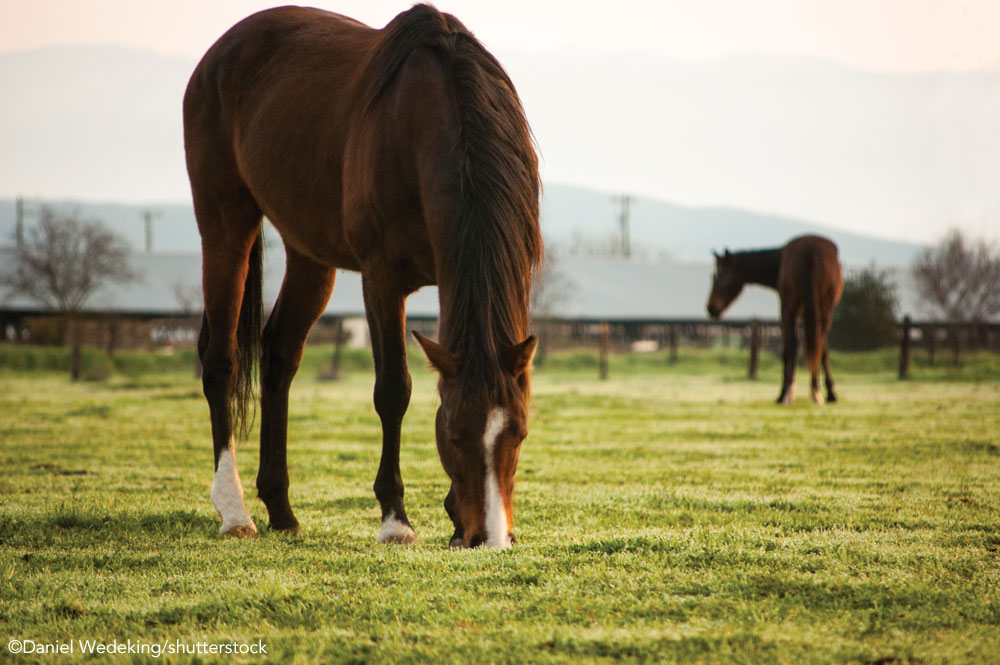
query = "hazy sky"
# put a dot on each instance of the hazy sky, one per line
(892, 35)
(596, 144)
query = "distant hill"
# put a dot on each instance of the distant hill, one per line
(890, 155)
(572, 217)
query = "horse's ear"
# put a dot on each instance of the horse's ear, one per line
(443, 360)
(715, 254)
(727, 251)
(517, 358)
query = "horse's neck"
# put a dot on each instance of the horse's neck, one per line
(761, 267)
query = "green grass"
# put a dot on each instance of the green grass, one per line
(672, 514)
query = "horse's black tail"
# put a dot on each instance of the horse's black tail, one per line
(812, 321)
(248, 332)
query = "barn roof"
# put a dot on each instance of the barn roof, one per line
(598, 288)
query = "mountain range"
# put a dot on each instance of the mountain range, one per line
(895, 156)
(575, 221)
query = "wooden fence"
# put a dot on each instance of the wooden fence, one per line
(942, 341)
(938, 339)
(950, 339)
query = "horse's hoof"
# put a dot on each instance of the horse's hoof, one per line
(407, 539)
(396, 532)
(817, 397)
(292, 528)
(284, 523)
(240, 530)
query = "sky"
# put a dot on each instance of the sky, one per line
(883, 35)
(889, 36)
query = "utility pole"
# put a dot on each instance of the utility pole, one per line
(624, 212)
(20, 221)
(148, 216)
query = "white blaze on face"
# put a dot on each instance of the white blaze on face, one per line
(497, 534)
(227, 496)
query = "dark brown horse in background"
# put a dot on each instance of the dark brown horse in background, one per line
(806, 272)
(402, 153)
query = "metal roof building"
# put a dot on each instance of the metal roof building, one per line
(598, 289)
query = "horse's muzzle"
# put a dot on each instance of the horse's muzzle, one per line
(479, 540)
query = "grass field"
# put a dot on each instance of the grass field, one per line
(671, 514)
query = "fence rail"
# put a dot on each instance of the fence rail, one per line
(942, 341)
(949, 337)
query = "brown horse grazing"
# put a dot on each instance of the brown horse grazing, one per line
(402, 153)
(807, 275)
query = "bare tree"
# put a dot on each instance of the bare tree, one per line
(63, 262)
(188, 297)
(960, 278)
(550, 289)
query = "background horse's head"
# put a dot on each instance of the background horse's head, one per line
(727, 284)
(479, 434)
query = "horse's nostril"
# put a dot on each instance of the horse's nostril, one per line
(513, 538)
(477, 540)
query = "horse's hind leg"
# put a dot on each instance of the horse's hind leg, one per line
(831, 395)
(815, 345)
(385, 307)
(304, 294)
(228, 234)
(790, 341)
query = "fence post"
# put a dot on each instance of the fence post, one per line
(904, 352)
(956, 344)
(338, 345)
(930, 332)
(754, 348)
(603, 362)
(673, 344)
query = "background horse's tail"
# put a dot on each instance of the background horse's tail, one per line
(812, 317)
(248, 332)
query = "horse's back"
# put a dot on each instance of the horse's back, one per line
(810, 266)
(286, 54)
(267, 111)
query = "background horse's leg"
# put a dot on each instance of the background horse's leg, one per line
(831, 395)
(790, 342)
(225, 258)
(385, 307)
(815, 338)
(304, 293)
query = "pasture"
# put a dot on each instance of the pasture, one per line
(673, 514)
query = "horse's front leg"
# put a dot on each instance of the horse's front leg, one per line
(386, 321)
(304, 294)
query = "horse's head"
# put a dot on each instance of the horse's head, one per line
(479, 435)
(727, 283)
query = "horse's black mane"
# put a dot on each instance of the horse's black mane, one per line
(497, 241)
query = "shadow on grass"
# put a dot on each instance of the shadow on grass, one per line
(26, 529)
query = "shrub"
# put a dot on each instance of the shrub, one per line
(865, 319)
